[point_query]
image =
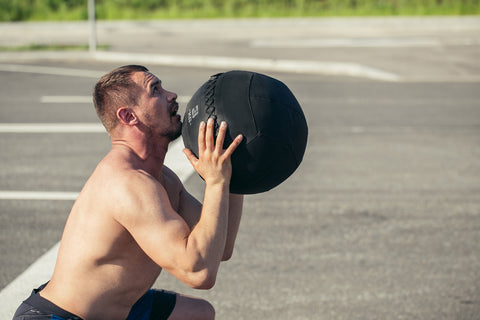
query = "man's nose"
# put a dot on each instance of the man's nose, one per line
(172, 96)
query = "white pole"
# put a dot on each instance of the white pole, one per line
(92, 41)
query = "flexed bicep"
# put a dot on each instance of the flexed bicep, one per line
(162, 233)
(148, 216)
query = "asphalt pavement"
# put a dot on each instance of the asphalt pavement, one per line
(380, 221)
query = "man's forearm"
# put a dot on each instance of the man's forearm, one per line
(209, 236)
(235, 209)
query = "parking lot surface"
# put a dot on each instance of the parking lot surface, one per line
(380, 221)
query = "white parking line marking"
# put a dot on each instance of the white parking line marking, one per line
(177, 161)
(345, 43)
(395, 42)
(51, 127)
(66, 99)
(51, 70)
(276, 65)
(41, 270)
(37, 195)
(18, 290)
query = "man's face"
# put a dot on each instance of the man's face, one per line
(157, 109)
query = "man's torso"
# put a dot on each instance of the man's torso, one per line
(100, 267)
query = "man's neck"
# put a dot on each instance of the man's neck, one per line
(149, 153)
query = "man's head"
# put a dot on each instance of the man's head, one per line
(132, 95)
(113, 90)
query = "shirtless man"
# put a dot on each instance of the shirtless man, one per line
(134, 217)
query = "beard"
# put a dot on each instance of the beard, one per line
(174, 134)
(171, 133)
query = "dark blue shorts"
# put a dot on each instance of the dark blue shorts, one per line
(153, 305)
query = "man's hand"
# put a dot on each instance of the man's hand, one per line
(214, 162)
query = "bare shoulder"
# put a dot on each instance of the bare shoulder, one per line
(126, 189)
(120, 176)
(136, 189)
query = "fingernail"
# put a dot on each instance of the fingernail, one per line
(223, 124)
(202, 124)
(210, 120)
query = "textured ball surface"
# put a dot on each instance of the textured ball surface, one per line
(268, 116)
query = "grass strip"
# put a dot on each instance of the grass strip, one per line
(49, 47)
(67, 10)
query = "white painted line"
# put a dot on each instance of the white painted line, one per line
(41, 270)
(377, 42)
(37, 195)
(225, 63)
(52, 128)
(51, 70)
(346, 43)
(88, 99)
(35, 275)
(66, 99)
(177, 161)
(280, 65)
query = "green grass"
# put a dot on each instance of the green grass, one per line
(55, 10)
(49, 47)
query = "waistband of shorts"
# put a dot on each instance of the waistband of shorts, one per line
(40, 303)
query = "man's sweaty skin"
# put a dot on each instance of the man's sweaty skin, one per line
(134, 217)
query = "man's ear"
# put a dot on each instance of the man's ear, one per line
(127, 116)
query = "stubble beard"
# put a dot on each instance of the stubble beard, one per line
(172, 133)
(175, 134)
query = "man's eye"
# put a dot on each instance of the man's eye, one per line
(155, 90)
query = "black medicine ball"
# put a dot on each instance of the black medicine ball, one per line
(268, 116)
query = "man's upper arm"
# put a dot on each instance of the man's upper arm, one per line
(144, 209)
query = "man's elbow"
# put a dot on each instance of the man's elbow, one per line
(204, 279)
(227, 255)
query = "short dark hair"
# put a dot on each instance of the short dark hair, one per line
(114, 90)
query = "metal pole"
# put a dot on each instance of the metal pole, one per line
(92, 41)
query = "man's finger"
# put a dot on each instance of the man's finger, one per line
(209, 134)
(235, 143)
(221, 137)
(190, 156)
(201, 137)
